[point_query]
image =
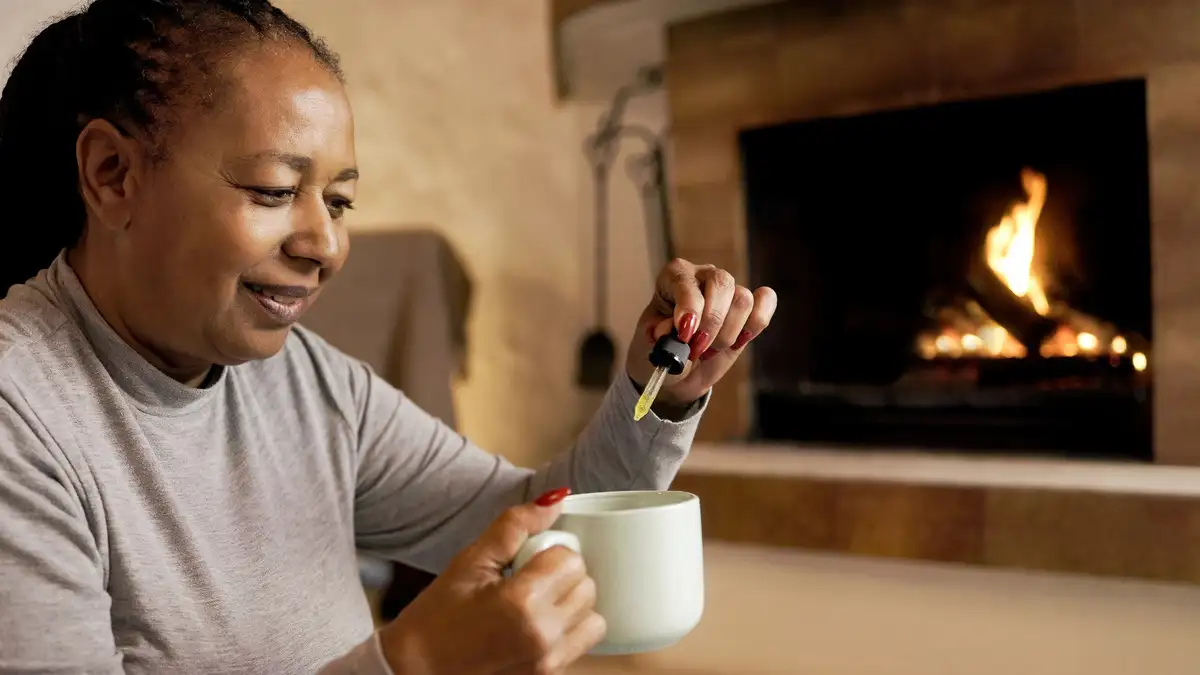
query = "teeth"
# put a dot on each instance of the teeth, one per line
(283, 300)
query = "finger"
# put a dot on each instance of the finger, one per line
(576, 643)
(499, 544)
(680, 291)
(658, 329)
(718, 286)
(578, 603)
(735, 322)
(551, 574)
(765, 304)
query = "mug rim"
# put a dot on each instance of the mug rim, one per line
(688, 498)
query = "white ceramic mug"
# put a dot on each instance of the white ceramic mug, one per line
(645, 552)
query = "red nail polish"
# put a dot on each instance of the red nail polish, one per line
(742, 340)
(687, 326)
(709, 354)
(552, 497)
(700, 343)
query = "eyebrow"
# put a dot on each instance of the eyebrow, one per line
(299, 163)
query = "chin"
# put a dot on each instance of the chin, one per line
(254, 345)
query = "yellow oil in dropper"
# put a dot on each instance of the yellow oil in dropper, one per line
(669, 357)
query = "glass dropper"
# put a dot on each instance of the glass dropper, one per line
(669, 357)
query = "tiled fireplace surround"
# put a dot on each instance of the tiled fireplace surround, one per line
(795, 60)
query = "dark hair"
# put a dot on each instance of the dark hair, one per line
(130, 62)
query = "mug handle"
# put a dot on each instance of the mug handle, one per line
(542, 541)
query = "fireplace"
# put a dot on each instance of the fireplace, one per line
(967, 275)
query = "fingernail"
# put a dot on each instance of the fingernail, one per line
(742, 340)
(699, 344)
(552, 497)
(687, 326)
(709, 354)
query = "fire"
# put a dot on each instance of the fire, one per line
(1010, 244)
(967, 330)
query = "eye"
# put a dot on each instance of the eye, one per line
(338, 206)
(272, 196)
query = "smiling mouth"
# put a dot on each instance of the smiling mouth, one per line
(283, 304)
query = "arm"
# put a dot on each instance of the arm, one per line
(424, 491)
(54, 610)
(616, 453)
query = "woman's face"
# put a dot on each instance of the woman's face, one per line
(233, 234)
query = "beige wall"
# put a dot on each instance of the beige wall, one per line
(19, 19)
(457, 129)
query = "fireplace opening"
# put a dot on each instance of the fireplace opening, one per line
(971, 275)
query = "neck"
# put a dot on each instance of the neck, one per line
(102, 289)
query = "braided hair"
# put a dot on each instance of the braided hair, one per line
(134, 63)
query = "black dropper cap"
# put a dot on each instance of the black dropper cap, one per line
(671, 353)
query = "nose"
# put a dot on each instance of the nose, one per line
(316, 237)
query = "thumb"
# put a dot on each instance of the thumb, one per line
(502, 540)
(662, 328)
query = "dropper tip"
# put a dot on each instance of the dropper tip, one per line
(640, 410)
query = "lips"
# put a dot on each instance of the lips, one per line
(284, 305)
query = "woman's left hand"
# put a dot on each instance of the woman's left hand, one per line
(712, 313)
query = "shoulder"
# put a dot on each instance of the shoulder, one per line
(35, 333)
(38, 344)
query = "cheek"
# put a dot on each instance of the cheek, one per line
(211, 237)
(247, 234)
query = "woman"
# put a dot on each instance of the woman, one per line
(185, 474)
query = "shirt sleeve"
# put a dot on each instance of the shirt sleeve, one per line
(424, 491)
(54, 610)
(365, 659)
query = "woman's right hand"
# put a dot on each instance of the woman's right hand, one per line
(472, 620)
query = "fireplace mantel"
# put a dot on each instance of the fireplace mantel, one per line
(1083, 518)
(791, 61)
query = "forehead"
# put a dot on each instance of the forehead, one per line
(276, 98)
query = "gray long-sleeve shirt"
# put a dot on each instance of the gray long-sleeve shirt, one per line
(146, 526)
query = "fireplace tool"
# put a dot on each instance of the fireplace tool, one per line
(597, 352)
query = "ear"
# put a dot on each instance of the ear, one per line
(108, 163)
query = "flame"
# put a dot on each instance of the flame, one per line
(1010, 244)
(966, 330)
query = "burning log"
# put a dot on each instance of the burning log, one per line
(1004, 283)
(1082, 322)
(1015, 314)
